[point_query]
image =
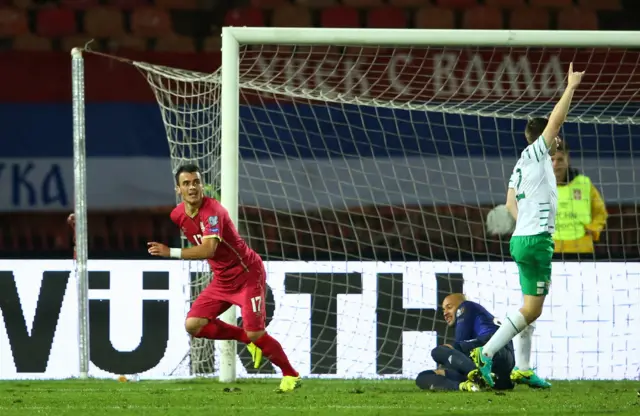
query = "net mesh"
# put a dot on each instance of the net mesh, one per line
(351, 156)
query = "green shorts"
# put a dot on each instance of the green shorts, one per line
(533, 254)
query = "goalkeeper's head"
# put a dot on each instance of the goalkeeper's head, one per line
(189, 184)
(450, 306)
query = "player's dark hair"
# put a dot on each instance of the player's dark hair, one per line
(535, 128)
(563, 147)
(188, 168)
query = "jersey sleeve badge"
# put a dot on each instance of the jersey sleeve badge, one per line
(459, 312)
(213, 223)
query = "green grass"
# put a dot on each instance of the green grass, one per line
(316, 397)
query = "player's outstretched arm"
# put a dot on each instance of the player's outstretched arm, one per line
(560, 111)
(204, 251)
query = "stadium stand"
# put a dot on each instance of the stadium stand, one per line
(387, 17)
(192, 26)
(529, 18)
(111, 21)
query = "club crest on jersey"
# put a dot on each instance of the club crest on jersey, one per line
(213, 221)
(459, 312)
(577, 194)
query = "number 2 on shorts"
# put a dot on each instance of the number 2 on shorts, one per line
(256, 303)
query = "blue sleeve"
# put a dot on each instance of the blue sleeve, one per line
(465, 318)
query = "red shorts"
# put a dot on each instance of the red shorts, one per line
(213, 300)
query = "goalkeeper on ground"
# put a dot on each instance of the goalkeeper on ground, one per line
(474, 326)
(532, 200)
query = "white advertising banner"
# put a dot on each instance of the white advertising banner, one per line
(590, 328)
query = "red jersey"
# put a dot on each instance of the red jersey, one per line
(233, 257)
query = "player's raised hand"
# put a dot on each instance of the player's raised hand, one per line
(158, 249)
(573, 78)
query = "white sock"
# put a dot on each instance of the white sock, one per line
(522, 345)
(513, 324)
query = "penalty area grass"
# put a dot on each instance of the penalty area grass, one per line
(316, 397)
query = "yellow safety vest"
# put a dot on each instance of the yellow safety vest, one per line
(574, 209)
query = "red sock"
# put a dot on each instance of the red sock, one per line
(272, 349)
(220, 330)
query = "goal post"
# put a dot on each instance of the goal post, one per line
(347, 167)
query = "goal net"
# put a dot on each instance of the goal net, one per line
(365, 177)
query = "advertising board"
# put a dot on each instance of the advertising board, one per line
(334, 319)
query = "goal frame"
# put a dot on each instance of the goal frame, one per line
(232, 38)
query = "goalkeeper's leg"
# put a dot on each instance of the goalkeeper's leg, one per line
(440, 380)
(454, 361)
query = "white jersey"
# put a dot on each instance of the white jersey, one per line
(536, 190)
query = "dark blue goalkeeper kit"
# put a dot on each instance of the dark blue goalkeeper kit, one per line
(474, 327)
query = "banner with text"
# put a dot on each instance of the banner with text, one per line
(529, 74)
(334, 319)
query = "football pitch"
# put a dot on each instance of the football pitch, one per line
(316, 397)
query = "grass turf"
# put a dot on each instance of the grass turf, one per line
(316, 397)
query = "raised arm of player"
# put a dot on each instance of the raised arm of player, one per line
(560, 111)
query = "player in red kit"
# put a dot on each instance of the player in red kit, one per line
(239, 277)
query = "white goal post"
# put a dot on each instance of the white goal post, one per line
(228, 105)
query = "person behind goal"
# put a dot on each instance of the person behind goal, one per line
(239, 276)
(532, 200)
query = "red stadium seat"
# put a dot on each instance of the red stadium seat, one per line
(175, 43)
(150, 22)
(247, 16)
(268, 4)
(482, 17)
(79, 4)
(362, 3)
(56, 22)
(128, 4)
(387, 17)
(577, 19)
(600, 4)
(22, 4)
(457, 4)
(98, 232)
(316, 4)
(291, 16)
(434, 18)
(132, 231)
(410, 3)
(13, 22)
(30, 42)
(104, 22)
(340, 16)
(127, 43)
(177, 4)
(505, 4)
(529, 18)
(553, 4)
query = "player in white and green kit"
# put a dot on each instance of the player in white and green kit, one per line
(532, 200)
